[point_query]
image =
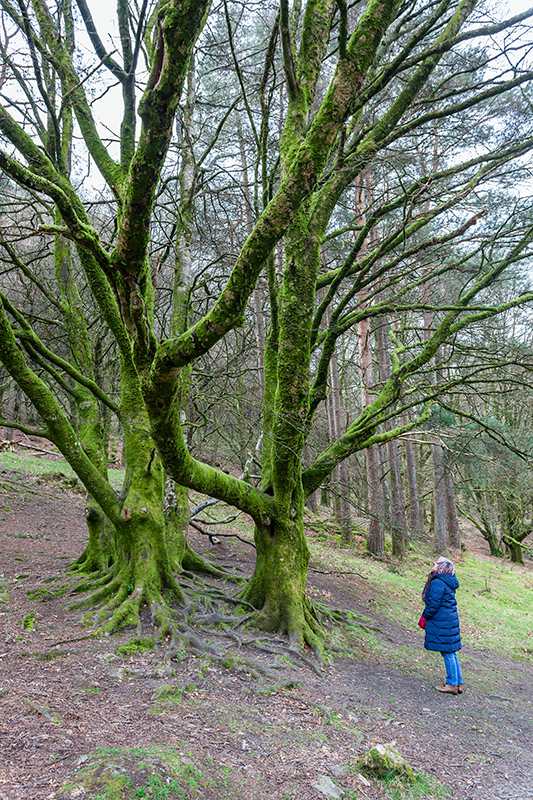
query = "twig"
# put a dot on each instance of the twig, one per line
(336, 572)
(211, 502)
(499, 697)
(76, 639)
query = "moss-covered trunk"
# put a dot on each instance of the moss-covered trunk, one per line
(278, 584)
(514, 531)
(98, 554)
(142, 571)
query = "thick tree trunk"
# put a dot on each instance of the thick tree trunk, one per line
(142, 572)
(99, 553)
(279, 581)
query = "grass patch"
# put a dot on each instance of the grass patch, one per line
(421, 788)
(48, 469)
(494, 598)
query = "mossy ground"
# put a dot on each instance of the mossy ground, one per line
(157, 773)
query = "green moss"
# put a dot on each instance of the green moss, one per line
(29, 621)
(384, 761)
(156, 772)
(135, 646)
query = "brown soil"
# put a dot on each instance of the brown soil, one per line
(63, 696)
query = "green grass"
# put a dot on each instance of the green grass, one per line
(422, 788)
(46, 468)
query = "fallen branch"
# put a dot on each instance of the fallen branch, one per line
(40, 450)
(213, 537)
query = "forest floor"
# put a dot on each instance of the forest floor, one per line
(79, 718)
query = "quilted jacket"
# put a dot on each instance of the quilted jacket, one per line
(442, 620)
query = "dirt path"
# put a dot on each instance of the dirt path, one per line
(63, 698)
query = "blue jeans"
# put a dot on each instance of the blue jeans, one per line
(453, 670)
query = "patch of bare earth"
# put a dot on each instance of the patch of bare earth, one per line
(63, 696)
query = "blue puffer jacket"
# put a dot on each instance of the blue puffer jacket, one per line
(442, 619)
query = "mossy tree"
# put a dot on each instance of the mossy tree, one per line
(360, 83)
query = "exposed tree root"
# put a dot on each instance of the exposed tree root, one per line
(298, 620)
(45, 595)
(193, 563)
(190, 615)
(351, 619)
(94, 582)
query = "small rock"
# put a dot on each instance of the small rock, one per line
(107, 658)
(117, 673)
(383, 759)
(76, 791)
(339, 770)
(327, 787)
(164, 672)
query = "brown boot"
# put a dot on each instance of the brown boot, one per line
(447, 689)
(459, 688)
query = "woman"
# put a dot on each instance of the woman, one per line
(442, 621)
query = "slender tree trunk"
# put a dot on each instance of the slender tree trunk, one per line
(176, 497)
(398, 521)
(257, 298)
(334, 476)
(374, 470)
(415, 519)
(376, 510)
(486, 528)
(342, 474)
(440, 503)
(376, 500)
(311, 500)
(512, 533)
(15, 410)
(454, 531)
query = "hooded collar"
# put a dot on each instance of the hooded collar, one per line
(449, 580)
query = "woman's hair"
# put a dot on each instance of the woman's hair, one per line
(443, 566)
